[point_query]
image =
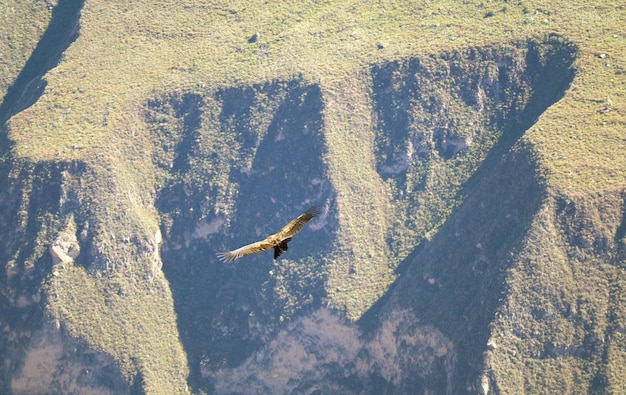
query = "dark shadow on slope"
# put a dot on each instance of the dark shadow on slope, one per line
(224, 310)
(286, 178)
(456, 280)
(436, 108)
(29, 85)
(189, 108)
(550, 68)
(620, 240)
(29, 198)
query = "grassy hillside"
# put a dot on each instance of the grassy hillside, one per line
(23, 24)
(184, 128)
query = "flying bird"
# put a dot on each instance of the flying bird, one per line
(277, 241)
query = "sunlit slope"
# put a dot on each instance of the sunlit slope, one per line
(169, 117)
(21, 27)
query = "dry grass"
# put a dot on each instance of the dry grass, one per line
(130, 52)
(21, 25)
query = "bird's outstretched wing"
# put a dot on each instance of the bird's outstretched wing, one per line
(297, 224)
(253, 248)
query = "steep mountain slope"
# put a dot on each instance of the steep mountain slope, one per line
(467, 158)
(23, 24)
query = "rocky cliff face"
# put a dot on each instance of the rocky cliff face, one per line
(424, 108)
(444, 260)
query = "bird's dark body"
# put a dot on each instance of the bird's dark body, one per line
(282, 247)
